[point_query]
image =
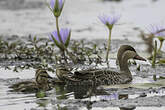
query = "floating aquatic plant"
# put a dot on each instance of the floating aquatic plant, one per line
(56, 7)
(109, 21)
(156, 30)
(65, 34)
(37, 52)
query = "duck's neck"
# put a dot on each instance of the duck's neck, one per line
(123, 63)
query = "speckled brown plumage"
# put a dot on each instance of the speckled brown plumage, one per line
(103, 77)
(41, 83)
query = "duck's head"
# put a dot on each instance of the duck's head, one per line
(61, 70)
(129, 54)
(122, 49)
(42, 77)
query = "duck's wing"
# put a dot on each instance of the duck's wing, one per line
(84, 77)
(87, 74)
(97, 77)
(103, 77)
(109, 77)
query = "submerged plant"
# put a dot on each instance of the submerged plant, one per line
(65, 34)
(109, 21)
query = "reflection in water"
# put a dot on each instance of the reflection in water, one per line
(92, 95)
(113, 96)
(61, 92)
(61, 108)
(87, 92)
(89, 105)
(64, 94)
(127, 108)
(125, 96)
(42, 103)
(81, 92)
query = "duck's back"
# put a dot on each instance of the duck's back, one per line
(97, 77)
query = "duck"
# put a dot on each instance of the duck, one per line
(103, 76)
(43, 79)
(41, 83)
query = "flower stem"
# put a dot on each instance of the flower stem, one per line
(59, 37)
(154, 60)
(109, 44)
(161, 43)
(154, 56)
(58, 31)
(64, 48)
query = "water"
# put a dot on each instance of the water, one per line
(81, 17)
(138, 108)
(106, 97)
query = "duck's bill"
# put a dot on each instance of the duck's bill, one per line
(137, 57)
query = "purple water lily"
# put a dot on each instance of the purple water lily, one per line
(53, 3)
(109, 20)
(56, 7)
(109, 97)
(64, 33)
(157, 30)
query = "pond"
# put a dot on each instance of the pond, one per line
(145, 92)
(140, 94)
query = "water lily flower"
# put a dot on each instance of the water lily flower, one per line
(65, 34)
(157, 30)
(109, 21)
(56, 6)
